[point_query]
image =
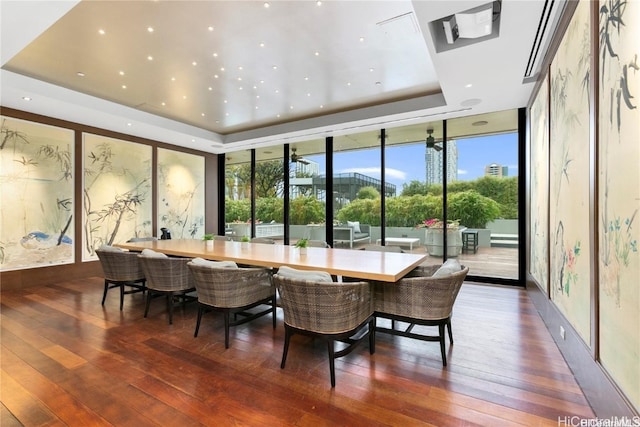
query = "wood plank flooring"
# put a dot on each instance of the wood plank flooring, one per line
(66, 360)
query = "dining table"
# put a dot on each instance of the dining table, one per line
(353, 263)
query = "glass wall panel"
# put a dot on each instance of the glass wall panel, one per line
(269, 183)
(357, 189)
(482, 192)
(237, 177)
(413, 164)
(307, 190)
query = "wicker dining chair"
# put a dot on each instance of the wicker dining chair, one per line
(420, 299)
(266, 240)
(121, 270)
(327, 310)
(318, 244)
(168, 277)
(233, 291)
(379, 248)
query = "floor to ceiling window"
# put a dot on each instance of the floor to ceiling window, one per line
(414, 214)
(307, 192)
(237, 190)
(357, 189)
(482, 196)
(269, 192)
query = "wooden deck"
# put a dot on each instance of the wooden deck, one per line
(66, 360)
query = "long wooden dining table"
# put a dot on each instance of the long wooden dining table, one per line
(360, 264)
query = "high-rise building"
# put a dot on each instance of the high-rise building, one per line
(495, 169)
(434, 161)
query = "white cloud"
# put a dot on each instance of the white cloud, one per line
(462, 171)
(375, 172)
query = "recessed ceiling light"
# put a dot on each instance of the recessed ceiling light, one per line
(291, 107)
(317, 54)
(321, 106)
(221, 68)
(26, 98)
(210, 28)
(194, 63)
(128, 124)
(215, 54)
(101, 32)
(124, 86)
(215, 76)
(480, 123)
(226, 114)
(371, 69)
(240, 68)
(150, 29)
(275, 67)
(255, 87)
(80, 74)
(277, 91)
(278, 115)
(257, 96)
(468, 85)
(261, 81)
(239, 79)
(306, 78)
(256, 107)
(184, 96)
(266, 5)
(173, 79)
(121, 73)
(225, 101)
(308, 94)
(361, 39)
(318, 3)
(262, 44)
(348, 83)
(202, 114)
(150, 58)
(210, 88)
(240, 88)
(163, 103)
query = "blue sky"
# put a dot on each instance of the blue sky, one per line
(406, 162)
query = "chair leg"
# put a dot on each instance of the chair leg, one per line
(121, 296)
(449, 329)
(170, 307)
(226, 329)
(285, 350)
(200, 312)
(146, 308)
(372, 336)
(273, 310)
(442, 344)
(106, 288)
(332, 364)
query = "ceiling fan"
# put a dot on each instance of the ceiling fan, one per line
(296, 158)
(431, 141)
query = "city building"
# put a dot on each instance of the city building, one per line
(434, 162)
(495, 169)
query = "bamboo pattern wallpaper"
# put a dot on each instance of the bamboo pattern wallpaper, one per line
(117, 195)
(619, 193)
(181, 194)
(36, 192)
(569, 174)
(539, 167)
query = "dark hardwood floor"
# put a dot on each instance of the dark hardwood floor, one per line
(66, 360)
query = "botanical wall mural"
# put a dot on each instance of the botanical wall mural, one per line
(539, 203)
(569, 174)
(36, 193)
(117, 192)
(181, 193)
(619, 193)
